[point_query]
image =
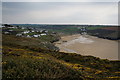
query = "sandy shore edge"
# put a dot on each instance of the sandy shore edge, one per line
(89, 45)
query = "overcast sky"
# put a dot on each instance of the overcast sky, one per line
(60, 0)
(60, 12)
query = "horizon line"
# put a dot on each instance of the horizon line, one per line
(62, 24)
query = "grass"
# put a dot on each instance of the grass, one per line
(28, 42)
(96, 27)
(25, 58)
(66, 30)
(39, 68)
(18, 62)
(103, 32)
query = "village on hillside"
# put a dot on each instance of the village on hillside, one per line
(25, 31)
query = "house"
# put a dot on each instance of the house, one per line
(43, 31)
(43, 34)
(36, 35)
(10, 30)
(54, 33)
(32, 31)
(22, 28)
(29, 36)
(11, 27)
(6, 32)
(25, 32)
(18, 34)
(37, 31)
(46, 31)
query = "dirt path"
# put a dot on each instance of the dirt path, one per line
(89, 45)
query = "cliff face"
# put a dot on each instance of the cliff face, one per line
(27, 58)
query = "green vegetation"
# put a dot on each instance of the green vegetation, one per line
(111, 33)
(66, 30)
(37, 57)
(18, 30)
(95, 27)
(62, 29)
(36, 67)
(94, 30)
(50, 38)
(28, 42)
(29, 58)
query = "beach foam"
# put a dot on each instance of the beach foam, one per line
(80, 39)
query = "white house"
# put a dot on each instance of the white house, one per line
(6, 32)
(36, 35)
(11, 30)
(41, 31)
(11, 27)
(46, 31)
(43, 34)
(29, 36)
(22, 28)
(25, 32)
(37, 31)
(32, 31)
(19, 34)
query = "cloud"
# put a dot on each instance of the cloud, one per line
(0, 12)
(60, 0)
(82, 13)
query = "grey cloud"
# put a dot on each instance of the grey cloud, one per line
(60, 0)
(60, 12)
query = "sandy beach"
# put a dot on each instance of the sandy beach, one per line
(89, 45)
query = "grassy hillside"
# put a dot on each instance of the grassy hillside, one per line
(11, 40)
(111, 32)
(62, 29)
(29, 58)
(101, 31)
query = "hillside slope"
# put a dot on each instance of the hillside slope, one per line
(25, 58)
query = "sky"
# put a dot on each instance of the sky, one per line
(60, 0)
(0, 12)
(60, 12)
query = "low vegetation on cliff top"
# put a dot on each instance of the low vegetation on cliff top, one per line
(27, 58)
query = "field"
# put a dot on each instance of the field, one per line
(111, 33)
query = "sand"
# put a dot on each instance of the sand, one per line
(89, 45)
